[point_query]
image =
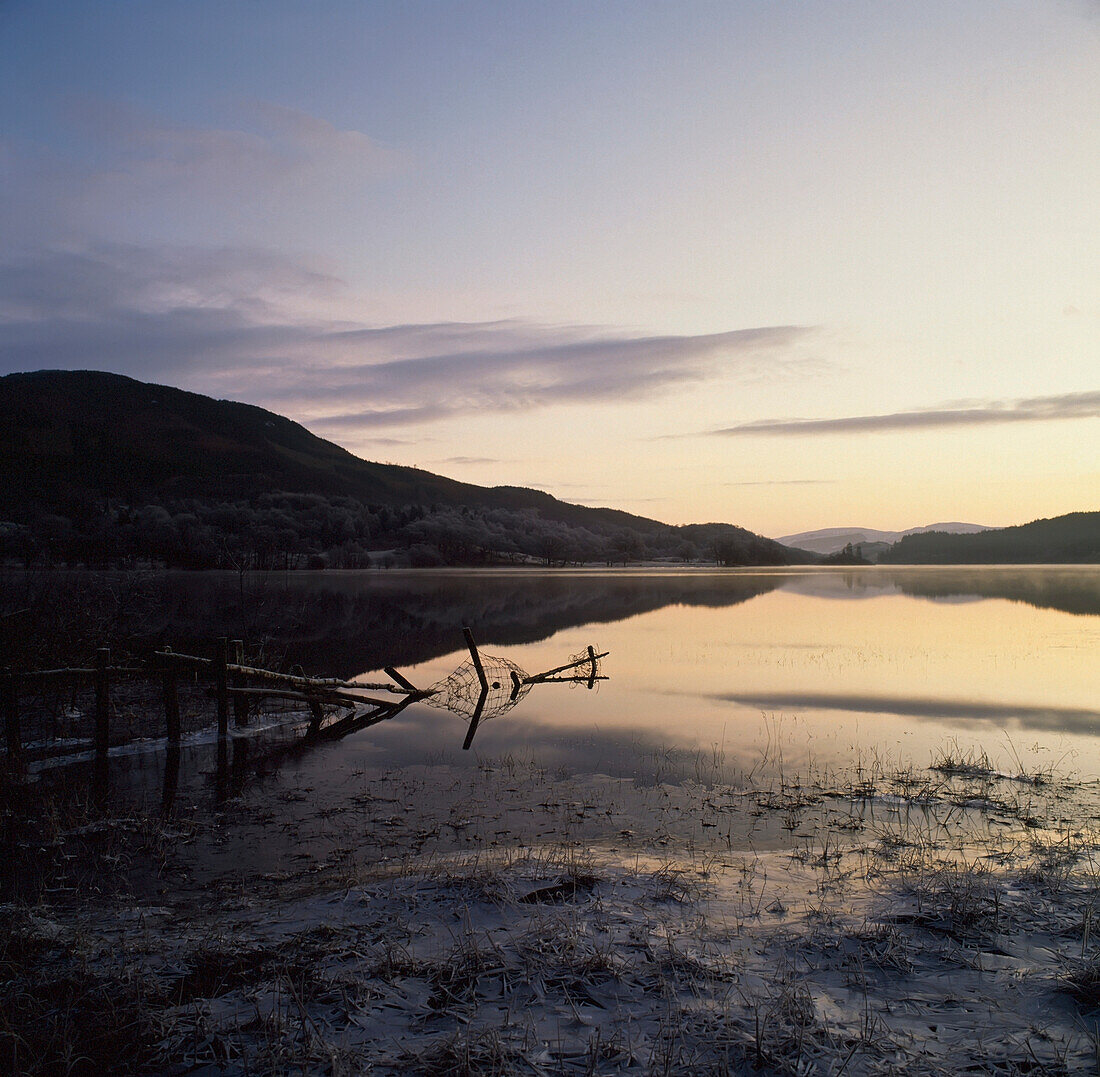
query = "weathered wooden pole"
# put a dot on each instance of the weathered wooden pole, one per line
(398, 679)
(592, 659)
(171, 701)
(10, 690)
(102, 700)
(240, 702)
(221, 685)
(480, 670)
(478, 667)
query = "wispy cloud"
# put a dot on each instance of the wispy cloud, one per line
(785, 482)
(230, 322)
(515, 367)
(272, 141)
(470, 460)
(125, 168)
(963, 413)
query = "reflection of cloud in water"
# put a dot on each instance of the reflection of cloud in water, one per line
(1045, 719)
(423, 735)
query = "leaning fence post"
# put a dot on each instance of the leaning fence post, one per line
(171, 700)
(478, 667)
(240, 703)
(102, 700)
(11, 715)
(221, 685)
(484, 681)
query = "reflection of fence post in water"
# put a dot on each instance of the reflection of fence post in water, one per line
(10, 691)
(171, 778)
(484, 681)
(101, 769)
(102, 700)
(241, 752)
(316, 717)
(221, 772)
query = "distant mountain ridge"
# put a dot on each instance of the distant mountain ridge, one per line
(831, 539)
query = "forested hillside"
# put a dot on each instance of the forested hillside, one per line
(1070, 539)
(100, 469)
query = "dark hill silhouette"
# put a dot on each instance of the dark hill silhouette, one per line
(1070, 539)
(64, 433)
(88, 448)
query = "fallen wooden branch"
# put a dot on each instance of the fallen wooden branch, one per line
(403, 687)
(323, 696)
(591, 657)
(75, 671)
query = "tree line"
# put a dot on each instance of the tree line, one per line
(296, 531)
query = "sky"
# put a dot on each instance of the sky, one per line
(790, 264)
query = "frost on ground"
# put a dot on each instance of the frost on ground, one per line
(549, 965)
(925, 922)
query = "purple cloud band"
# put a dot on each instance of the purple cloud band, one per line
(1027, 410)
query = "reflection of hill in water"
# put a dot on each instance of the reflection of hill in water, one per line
(341, 624)
(1070, 589)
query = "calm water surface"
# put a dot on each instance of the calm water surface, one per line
(791, 666)
(822, 665)
(730, 676)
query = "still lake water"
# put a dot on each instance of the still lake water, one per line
(791, 666)
(799, 665)
(730, 678)
(819, 665)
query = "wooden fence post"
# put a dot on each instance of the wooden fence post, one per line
(171, 700)
(221, 685)
(102, 700)
(476, 657)
(10, 690)
(240, 703)
(484, 681)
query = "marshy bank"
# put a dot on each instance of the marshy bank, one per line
(500, 919)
